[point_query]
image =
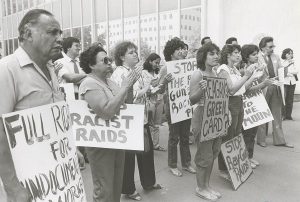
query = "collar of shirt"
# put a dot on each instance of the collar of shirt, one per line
(127, 68)
(25, 61)
(23, 57)
(70, 59)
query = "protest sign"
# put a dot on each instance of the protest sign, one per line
(216, 113)
(124, 131)
(256, 110)
(68, 90)
(236, 159)
(179, 88)
(44, 153)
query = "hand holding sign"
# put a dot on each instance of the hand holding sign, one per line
(168, 78)
(203, 84)
(267, 82)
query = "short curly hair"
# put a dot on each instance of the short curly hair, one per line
(202, 54)
(284, 52)
(88, 57)
(171, 46)
(120, 50)
(226, 50)
(247, 50)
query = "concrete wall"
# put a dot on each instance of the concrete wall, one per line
(250, 20)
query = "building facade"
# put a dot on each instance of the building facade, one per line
(147, 23)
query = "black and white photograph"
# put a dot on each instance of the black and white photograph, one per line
(149, 100)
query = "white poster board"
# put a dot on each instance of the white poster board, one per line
(123, 131)
(44, 152)
(256, 110)
(179, 88)
(236, 159)
(68, 90)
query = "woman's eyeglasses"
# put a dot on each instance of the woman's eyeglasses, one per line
(107, 60)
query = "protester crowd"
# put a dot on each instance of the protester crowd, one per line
(30, 77)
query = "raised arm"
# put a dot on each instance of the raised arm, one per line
(234, 87)
(107, 108)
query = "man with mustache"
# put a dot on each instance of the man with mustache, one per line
(267, 58)
(27, 79)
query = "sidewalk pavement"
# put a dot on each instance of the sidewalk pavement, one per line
(277, 179)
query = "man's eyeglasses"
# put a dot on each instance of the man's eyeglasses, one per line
(107, 60)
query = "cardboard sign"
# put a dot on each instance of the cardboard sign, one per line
(179, 89)
(123, 131)
(256, 110)
(68, 90)
(216, 113)
(44, 153)
(236, 159)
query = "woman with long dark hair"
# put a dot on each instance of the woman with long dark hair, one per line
(155, 101)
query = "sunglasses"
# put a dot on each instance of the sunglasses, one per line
(107, 60)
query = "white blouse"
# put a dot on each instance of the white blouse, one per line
(235, 76)
(289, 79)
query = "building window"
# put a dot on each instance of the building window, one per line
(190, 27)
(185, 17)
(181, 16)
(193, 18)
(170, 27)
(170, 16)
(165, 17)
(198, 19)
(190, 17)
(16, 43)
(185, 27)
(150, 29)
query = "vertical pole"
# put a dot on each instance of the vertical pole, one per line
(122, 19)
(139, 28)
(93, 21)
(179, 17)
(157, 24)
(107, 27)
(81, 26)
